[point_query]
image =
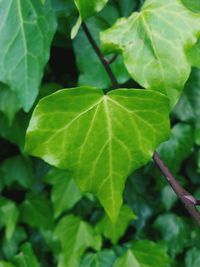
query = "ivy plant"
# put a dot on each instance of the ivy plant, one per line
(99, 101)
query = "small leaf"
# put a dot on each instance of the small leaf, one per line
(153, 44)
(114, 231)
(36, 211)
(26, 30)
(104, 258)
(144, 253)
(26, 257)
(18, 169)
(9, 214)
(179, 146)
(188, 107)
(65, 193)
(125, 125)
(174, 231)
(87, 8)
(193, 258)
(169, 197)
(75, 237)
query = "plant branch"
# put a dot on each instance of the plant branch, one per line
(100, 55)
(189, 201)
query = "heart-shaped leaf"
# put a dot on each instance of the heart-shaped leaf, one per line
(100, 138)
(154, 43)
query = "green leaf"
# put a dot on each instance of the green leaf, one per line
(26, 257)
(188, 107)
(104, 258)
(9, 104)
(192, 258)
(193, 5)
(9, 216)
(18, 169)
(153, 44)
(36, 211)
(75, 236)
(86, 58)
(65, 193)
(26, 30)
(144, 253)
(125, 125)
(6, 264)
(114, 231)
(194, 55)
(87, 8)
(178, 147)
(168, 197)
(174, 231)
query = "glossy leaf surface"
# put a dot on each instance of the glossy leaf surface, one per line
(125, 126)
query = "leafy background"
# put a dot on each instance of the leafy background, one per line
(44, 218)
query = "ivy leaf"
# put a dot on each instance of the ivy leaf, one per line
(26, 30)
(36, 211)
(9, 214)
(144, 253)
(178, 147)
(26, 257)
(153, 44)
(174, 230)
(18, 169)
(125, 125)
(86, 57)
(65, 193)
(104, 258)
(87, 8)
(9, 104)
(75, 236)
(114, 231)
(188, 107)
(192, 258)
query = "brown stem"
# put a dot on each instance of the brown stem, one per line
(100, 55)
(189, 201)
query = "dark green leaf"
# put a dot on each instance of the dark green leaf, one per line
(75, 236)
(174, 231)
(65, 193)
(192, 258)
(37, 211)
(104, 258)
(26, 257)
(26, 31)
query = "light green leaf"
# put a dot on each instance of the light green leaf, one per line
(125, 125)
(194, 55)
(26, 257)
(18, 169)
(153, 44)
(174, 231)
(9, 216)
(26, 31)
(65, 192)
(87, 8)
(114, 231)
(86, 58)
(192, 258)
(144, 253)
(104, 258)
(178, 147)
(75, 236)
(188, 107)
(36, 211)
(6, 264)
(9, 104)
